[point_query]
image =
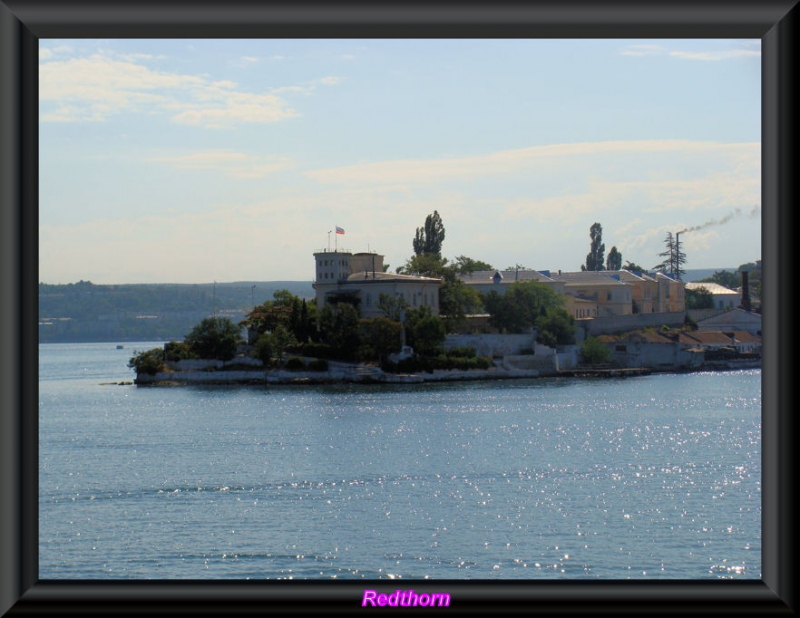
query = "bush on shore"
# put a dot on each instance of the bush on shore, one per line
(149, 361)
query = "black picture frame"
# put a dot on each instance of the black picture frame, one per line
(24, 22)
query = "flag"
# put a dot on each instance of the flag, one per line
(339, 230)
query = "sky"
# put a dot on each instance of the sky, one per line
(192, 161)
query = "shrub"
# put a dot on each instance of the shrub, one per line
(318, 364)
(295, 363)
(264, 348)
(320, 350)
(177, 350)
(594, 352)
(462, 352)
(150, 362)
(215, 338)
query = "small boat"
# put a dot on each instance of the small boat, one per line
(120, 346)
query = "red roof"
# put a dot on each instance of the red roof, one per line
(710, 337)
(743, 336)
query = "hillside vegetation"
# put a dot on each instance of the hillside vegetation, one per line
(85, 312)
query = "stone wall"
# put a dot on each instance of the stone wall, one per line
(621, 323)
(190, 364)
(487, 344)
(656, 356)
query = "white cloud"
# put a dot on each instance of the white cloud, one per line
(228, 162)
(308, 87)
(99, 86)
(717, 55)
(644, 50)
(744, 50)
(509, 161)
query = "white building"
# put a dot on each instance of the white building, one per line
(592, 294)
(724, 298)
(361, 275)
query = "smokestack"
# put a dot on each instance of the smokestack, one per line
(746, 290)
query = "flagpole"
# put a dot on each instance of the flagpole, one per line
(336, 242)
(329, 240)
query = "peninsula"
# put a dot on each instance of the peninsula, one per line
(433, 319)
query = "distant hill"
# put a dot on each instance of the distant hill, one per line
(702, 273)
(84, 311)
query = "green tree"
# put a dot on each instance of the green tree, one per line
(424, 264)
(215, 338)
(465, 265)
(177, 350)
(264, 348)
(306, 329)
(384, 335)
(556, 327)
(674, 258)
(271, 313)
(457, 300)
(594, 352)
(283, 338)
(699, 298)
(425, 332)
(340, 328)
(725, 278)
(614, 260)
(149, 361)
(429, 239)
(595, 259)
(518, 309)
(392, 306)
(634, 267)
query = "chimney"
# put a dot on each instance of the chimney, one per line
(746, 290)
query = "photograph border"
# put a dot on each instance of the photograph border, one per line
(24, 22)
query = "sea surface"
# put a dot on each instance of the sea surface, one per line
(653, 477)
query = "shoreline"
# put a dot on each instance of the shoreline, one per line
(373, 375)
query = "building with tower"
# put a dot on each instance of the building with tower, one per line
(362, 277)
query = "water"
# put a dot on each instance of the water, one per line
(656, 477)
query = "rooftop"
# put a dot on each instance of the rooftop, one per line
(506, 276)
(368, 275)
(713, 288)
